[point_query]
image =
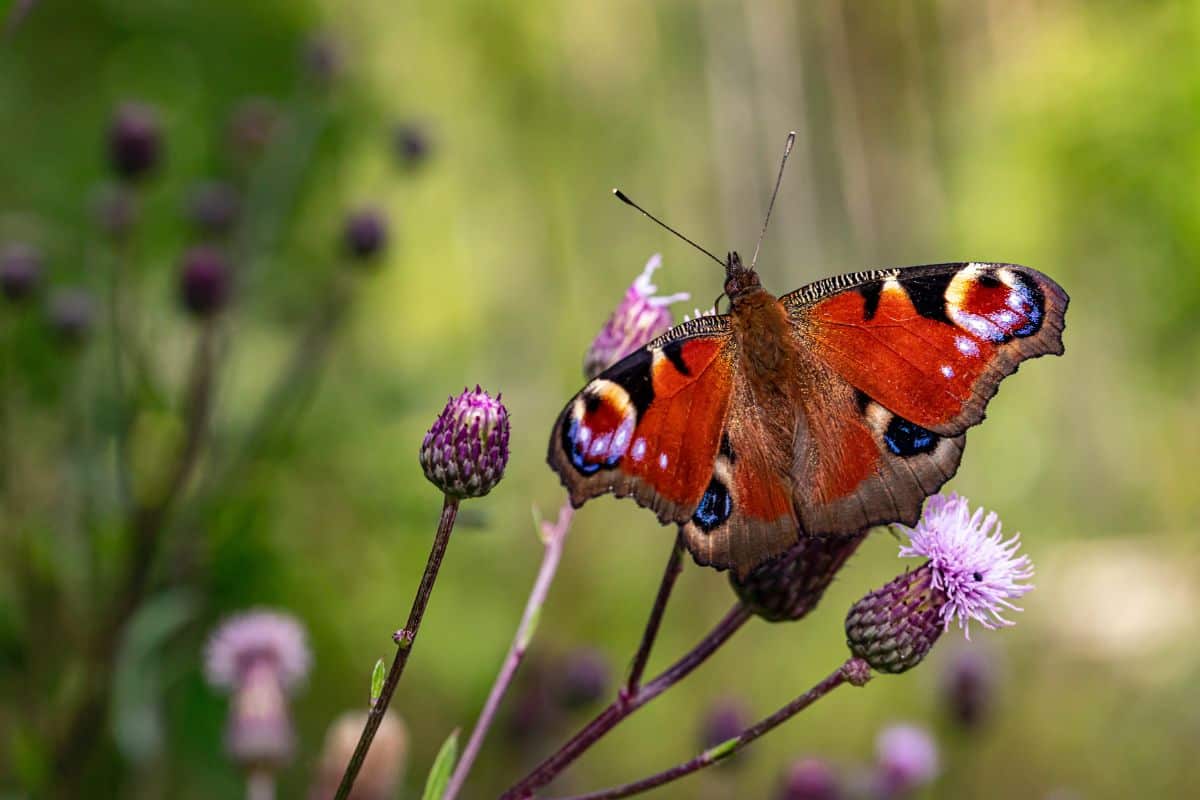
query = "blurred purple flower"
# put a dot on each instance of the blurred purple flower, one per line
(810, 779)
(384, 764)
(259, 732)
(322, 58)
(585, 677)
(134, 141)
(725, 719)
(70, 313)
(639, 319)
(412, 144)
(246, 639)
(204, 280)
(906, 759)
(115, 209)
(20, 272)
(365, 233)
(466, 450)
(213, 207)
(968, 686)
(978, 571)
(251, 127)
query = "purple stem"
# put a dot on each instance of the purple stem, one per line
(625, 705)
(553, 537)
(729, 747)
(404, 639)
(670, 575)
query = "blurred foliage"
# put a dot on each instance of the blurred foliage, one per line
(1064, 135)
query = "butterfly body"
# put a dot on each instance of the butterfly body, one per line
(823, 412)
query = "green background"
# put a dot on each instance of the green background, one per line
(1063, 135)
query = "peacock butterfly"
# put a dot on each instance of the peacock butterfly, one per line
(839, 406)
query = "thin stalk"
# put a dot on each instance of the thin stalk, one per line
(404, 638)
(670, 575)
(260, 785)
(553, 537)
(727, 748)
(625, 705)
(123, 423)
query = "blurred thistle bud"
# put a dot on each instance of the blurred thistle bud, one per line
(115, 209)
(788, 587)
(204, 280)
(383, 768)
(322, 58)
(585, 677)
(972, 574)
(412, 144)
(259, 656)
(906, 758)
(365, 234)
(726, 719)
(968, 686)
(466, 450)
(251, 127)
(809, 779)
(213, 207)
(70, 313)
(640, 318)
(134, 141)
(536, 711)
(20, 272)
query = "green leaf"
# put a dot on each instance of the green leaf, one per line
(443, 766)
(377, 678)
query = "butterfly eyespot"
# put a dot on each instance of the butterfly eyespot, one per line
(715, 507)
(906, 438)
(598, 428)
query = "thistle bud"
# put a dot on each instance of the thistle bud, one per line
(906, 758)
(810, 779)
(968, 687)
(788, 587)
(725, 720)
(204, 281)
(213, 207)
(322, 59)
(412, 145)
(70, 313)
(20, 272)
(892, 628)
(115, 210)
(466, 450)
(365, 234)
(384, 765)
(640, 317)
(134, 141)
(585, 677)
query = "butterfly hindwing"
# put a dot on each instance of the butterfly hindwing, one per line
(650, 426)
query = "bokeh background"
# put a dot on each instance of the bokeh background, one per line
(1063, 135)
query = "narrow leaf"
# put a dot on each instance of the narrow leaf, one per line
(377, 677)
(443, 766)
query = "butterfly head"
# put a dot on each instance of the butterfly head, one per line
(739, 279)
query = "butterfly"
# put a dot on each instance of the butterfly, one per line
(824, 412)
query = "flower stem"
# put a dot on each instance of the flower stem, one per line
(670, 575)
(260, 785)
(727, 748)
(553, 537)
(404, 638)
(626, 704)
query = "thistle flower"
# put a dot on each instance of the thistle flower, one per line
(115, 210)
(466, 450)
(968, 686)
(971, 574)
(259, 656)
(134, 141)
(979, 571)
(788, 587)
(20, 272)
(322, 58)
(726, 719)
(365, 234)
(809, 779)
(639, 319)
(907, 758)
(204, 281)
(383, 767)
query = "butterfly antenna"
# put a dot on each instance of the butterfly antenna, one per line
(787, 150)
(625, 199)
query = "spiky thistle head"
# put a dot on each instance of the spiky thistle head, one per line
(466, 450)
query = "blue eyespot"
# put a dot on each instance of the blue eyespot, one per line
(715, 507)
(905, 438)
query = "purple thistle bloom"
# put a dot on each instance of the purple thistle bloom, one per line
(585, 677)
(20, 271)
(70, 313)
(213, 207)
(640, 318)
(466, 450)
(244, 640)
(135, 141)
(907, 758)
(204, 280)
(977, 570)
(365, 233)
(725, 720)
(968, 687)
